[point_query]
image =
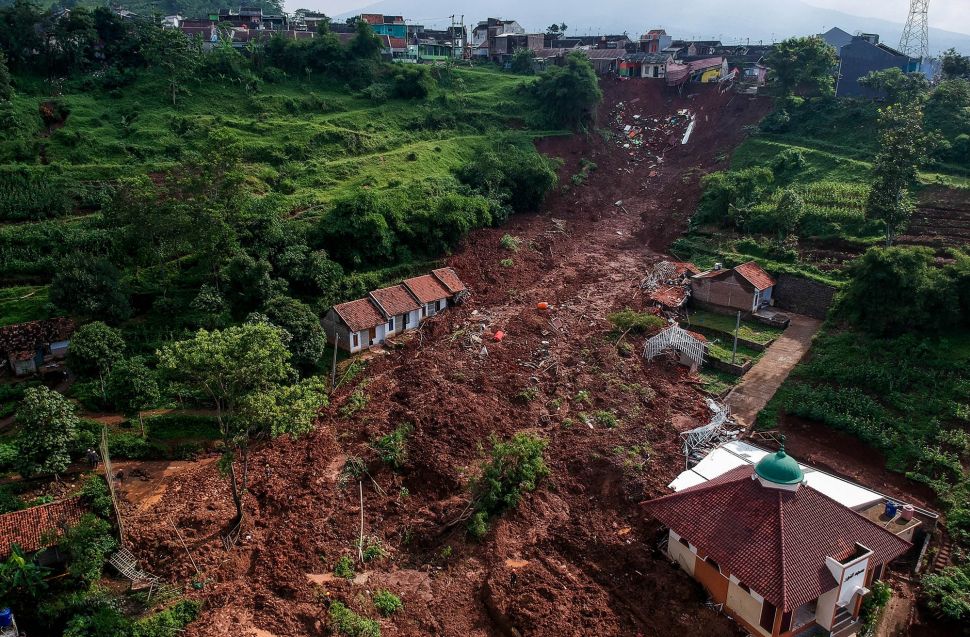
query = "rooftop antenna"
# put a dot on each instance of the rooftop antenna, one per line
(915, 41)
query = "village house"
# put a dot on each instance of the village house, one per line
(655, 41)
(786, 549)
(28, 347)
(860, 55)
(364, 323)
(37, 530)
(430, 293)
(690, 69)
(746, 287)
(399, 308)
(652, 65)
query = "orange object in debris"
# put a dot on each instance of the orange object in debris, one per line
(499, 335)
(542, 306)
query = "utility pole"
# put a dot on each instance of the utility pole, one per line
(737, 328)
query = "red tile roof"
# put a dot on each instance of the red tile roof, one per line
(685, 267)
(774, 541)
(754, 275)
(427, 288)
(395, 300)
(672, 296)
(30, 527)
(449, 278)
(359, 315)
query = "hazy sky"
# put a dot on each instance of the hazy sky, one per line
(952, 15)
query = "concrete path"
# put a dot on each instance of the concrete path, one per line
(760, 384)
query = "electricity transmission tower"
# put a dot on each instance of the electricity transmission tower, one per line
(916, 36)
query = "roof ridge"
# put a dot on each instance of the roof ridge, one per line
(702, 487)
(781, 541)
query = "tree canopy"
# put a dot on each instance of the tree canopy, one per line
(569, 93)
(47, 424)
(898, 86)
(246, 376)
(805, 64)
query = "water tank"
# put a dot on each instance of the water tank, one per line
(6, 618)
(908, 512)
(890, 509)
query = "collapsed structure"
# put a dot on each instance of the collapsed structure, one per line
(784, 548)
(364, 323)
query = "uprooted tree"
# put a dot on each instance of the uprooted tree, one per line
(245, 374)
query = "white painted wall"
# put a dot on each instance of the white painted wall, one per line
(681, 554)
(745, 606)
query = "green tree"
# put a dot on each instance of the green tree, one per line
(47, 424)
(365, 45)
(307, 338)
(805, 63)
(94, 350)
(955, 66)
(90, 287)
(522, 61)
(87, 544)
(569, 93)
(552, 29)
(245, 374)
(132, 387)
(179, 57)
(898, 290)
(6, 90)
(789, 212)
(901, 150)
(898, 86)
(21, 576)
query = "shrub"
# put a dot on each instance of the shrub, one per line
(387, 603)
(393, 448)
(87, 544)
(607, 419)
(636, 322)
(507, 263)
(344, 568)
(350, 624)
(516, 467)
(98, 497)
(947, 593)
(510, 243)
(170, 622)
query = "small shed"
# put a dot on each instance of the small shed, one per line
(355, 325)
(746, 287)
(23, 363)
(401, 309)
(430, 293)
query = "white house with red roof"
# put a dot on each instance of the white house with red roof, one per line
(364, 323)
(746, 287)
(776, 543)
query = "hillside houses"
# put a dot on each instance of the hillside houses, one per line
(860, 55)
(358, 325)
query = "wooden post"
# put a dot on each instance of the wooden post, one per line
(106, 461)
(333, 371)
(737, 328)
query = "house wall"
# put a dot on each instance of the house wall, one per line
(746, 607)
(825, 611)
(715, 583)
(858, 59)
(413, 319)
(680, 553)
(727, 292)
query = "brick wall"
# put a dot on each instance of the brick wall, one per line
(803, 296)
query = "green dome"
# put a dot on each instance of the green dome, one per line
(779, 468)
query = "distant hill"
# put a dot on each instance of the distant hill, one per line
(757, 20)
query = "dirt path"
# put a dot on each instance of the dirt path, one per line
(760, 384)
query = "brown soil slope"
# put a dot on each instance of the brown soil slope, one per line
(576, 557)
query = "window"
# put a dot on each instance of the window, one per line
(390, 325)
(713, 563)
(356, 339)
(684, 542)
(441, 304)
(407, 320)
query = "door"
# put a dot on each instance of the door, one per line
(372, 336)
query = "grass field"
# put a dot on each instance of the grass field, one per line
(304, 143)
(750, 331)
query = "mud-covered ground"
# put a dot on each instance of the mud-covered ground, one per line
(577, 557)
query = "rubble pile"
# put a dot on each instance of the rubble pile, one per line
(645, 138)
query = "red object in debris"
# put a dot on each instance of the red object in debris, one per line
(542, 306)
(499, 335)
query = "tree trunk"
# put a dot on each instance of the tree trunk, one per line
(141, 421)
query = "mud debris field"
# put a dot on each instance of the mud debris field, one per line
(577, 557)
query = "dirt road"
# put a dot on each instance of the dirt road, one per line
(575, 558)
(761, 383)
